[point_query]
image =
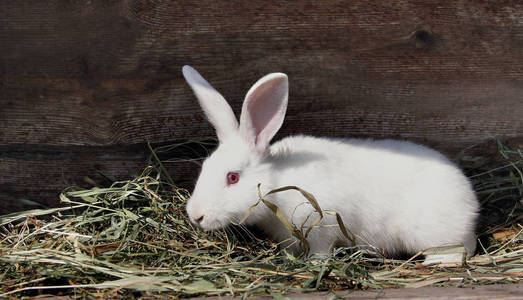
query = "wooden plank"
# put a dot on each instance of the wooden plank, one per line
(40, 173)
(101, 74)
(109, 73)
(502, 291)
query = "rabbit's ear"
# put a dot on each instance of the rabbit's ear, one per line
(216, 109)
(264, 109)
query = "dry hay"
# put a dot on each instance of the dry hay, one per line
(133, 238)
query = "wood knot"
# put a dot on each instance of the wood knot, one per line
(423, 38)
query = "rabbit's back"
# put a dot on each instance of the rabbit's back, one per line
(396, 195)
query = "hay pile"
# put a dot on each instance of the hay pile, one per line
(133, 238)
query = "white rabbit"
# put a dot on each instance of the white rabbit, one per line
(396, 196)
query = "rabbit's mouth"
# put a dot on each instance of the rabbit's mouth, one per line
(211, 224)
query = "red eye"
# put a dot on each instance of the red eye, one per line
(232, 178)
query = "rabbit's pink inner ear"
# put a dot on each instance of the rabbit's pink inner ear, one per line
(216, 109)
(264, 109)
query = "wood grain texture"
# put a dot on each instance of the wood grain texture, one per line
(105, 75)
(39, 173)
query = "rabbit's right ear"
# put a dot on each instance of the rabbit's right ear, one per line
(216, 109)
(263, 110)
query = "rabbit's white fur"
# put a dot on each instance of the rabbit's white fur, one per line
(396, 196)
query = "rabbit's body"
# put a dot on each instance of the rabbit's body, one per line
(396, 196)
(393, 195)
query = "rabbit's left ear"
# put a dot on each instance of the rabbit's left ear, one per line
(264, 109)
(216, 109)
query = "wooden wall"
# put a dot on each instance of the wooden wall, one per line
(85, 84)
